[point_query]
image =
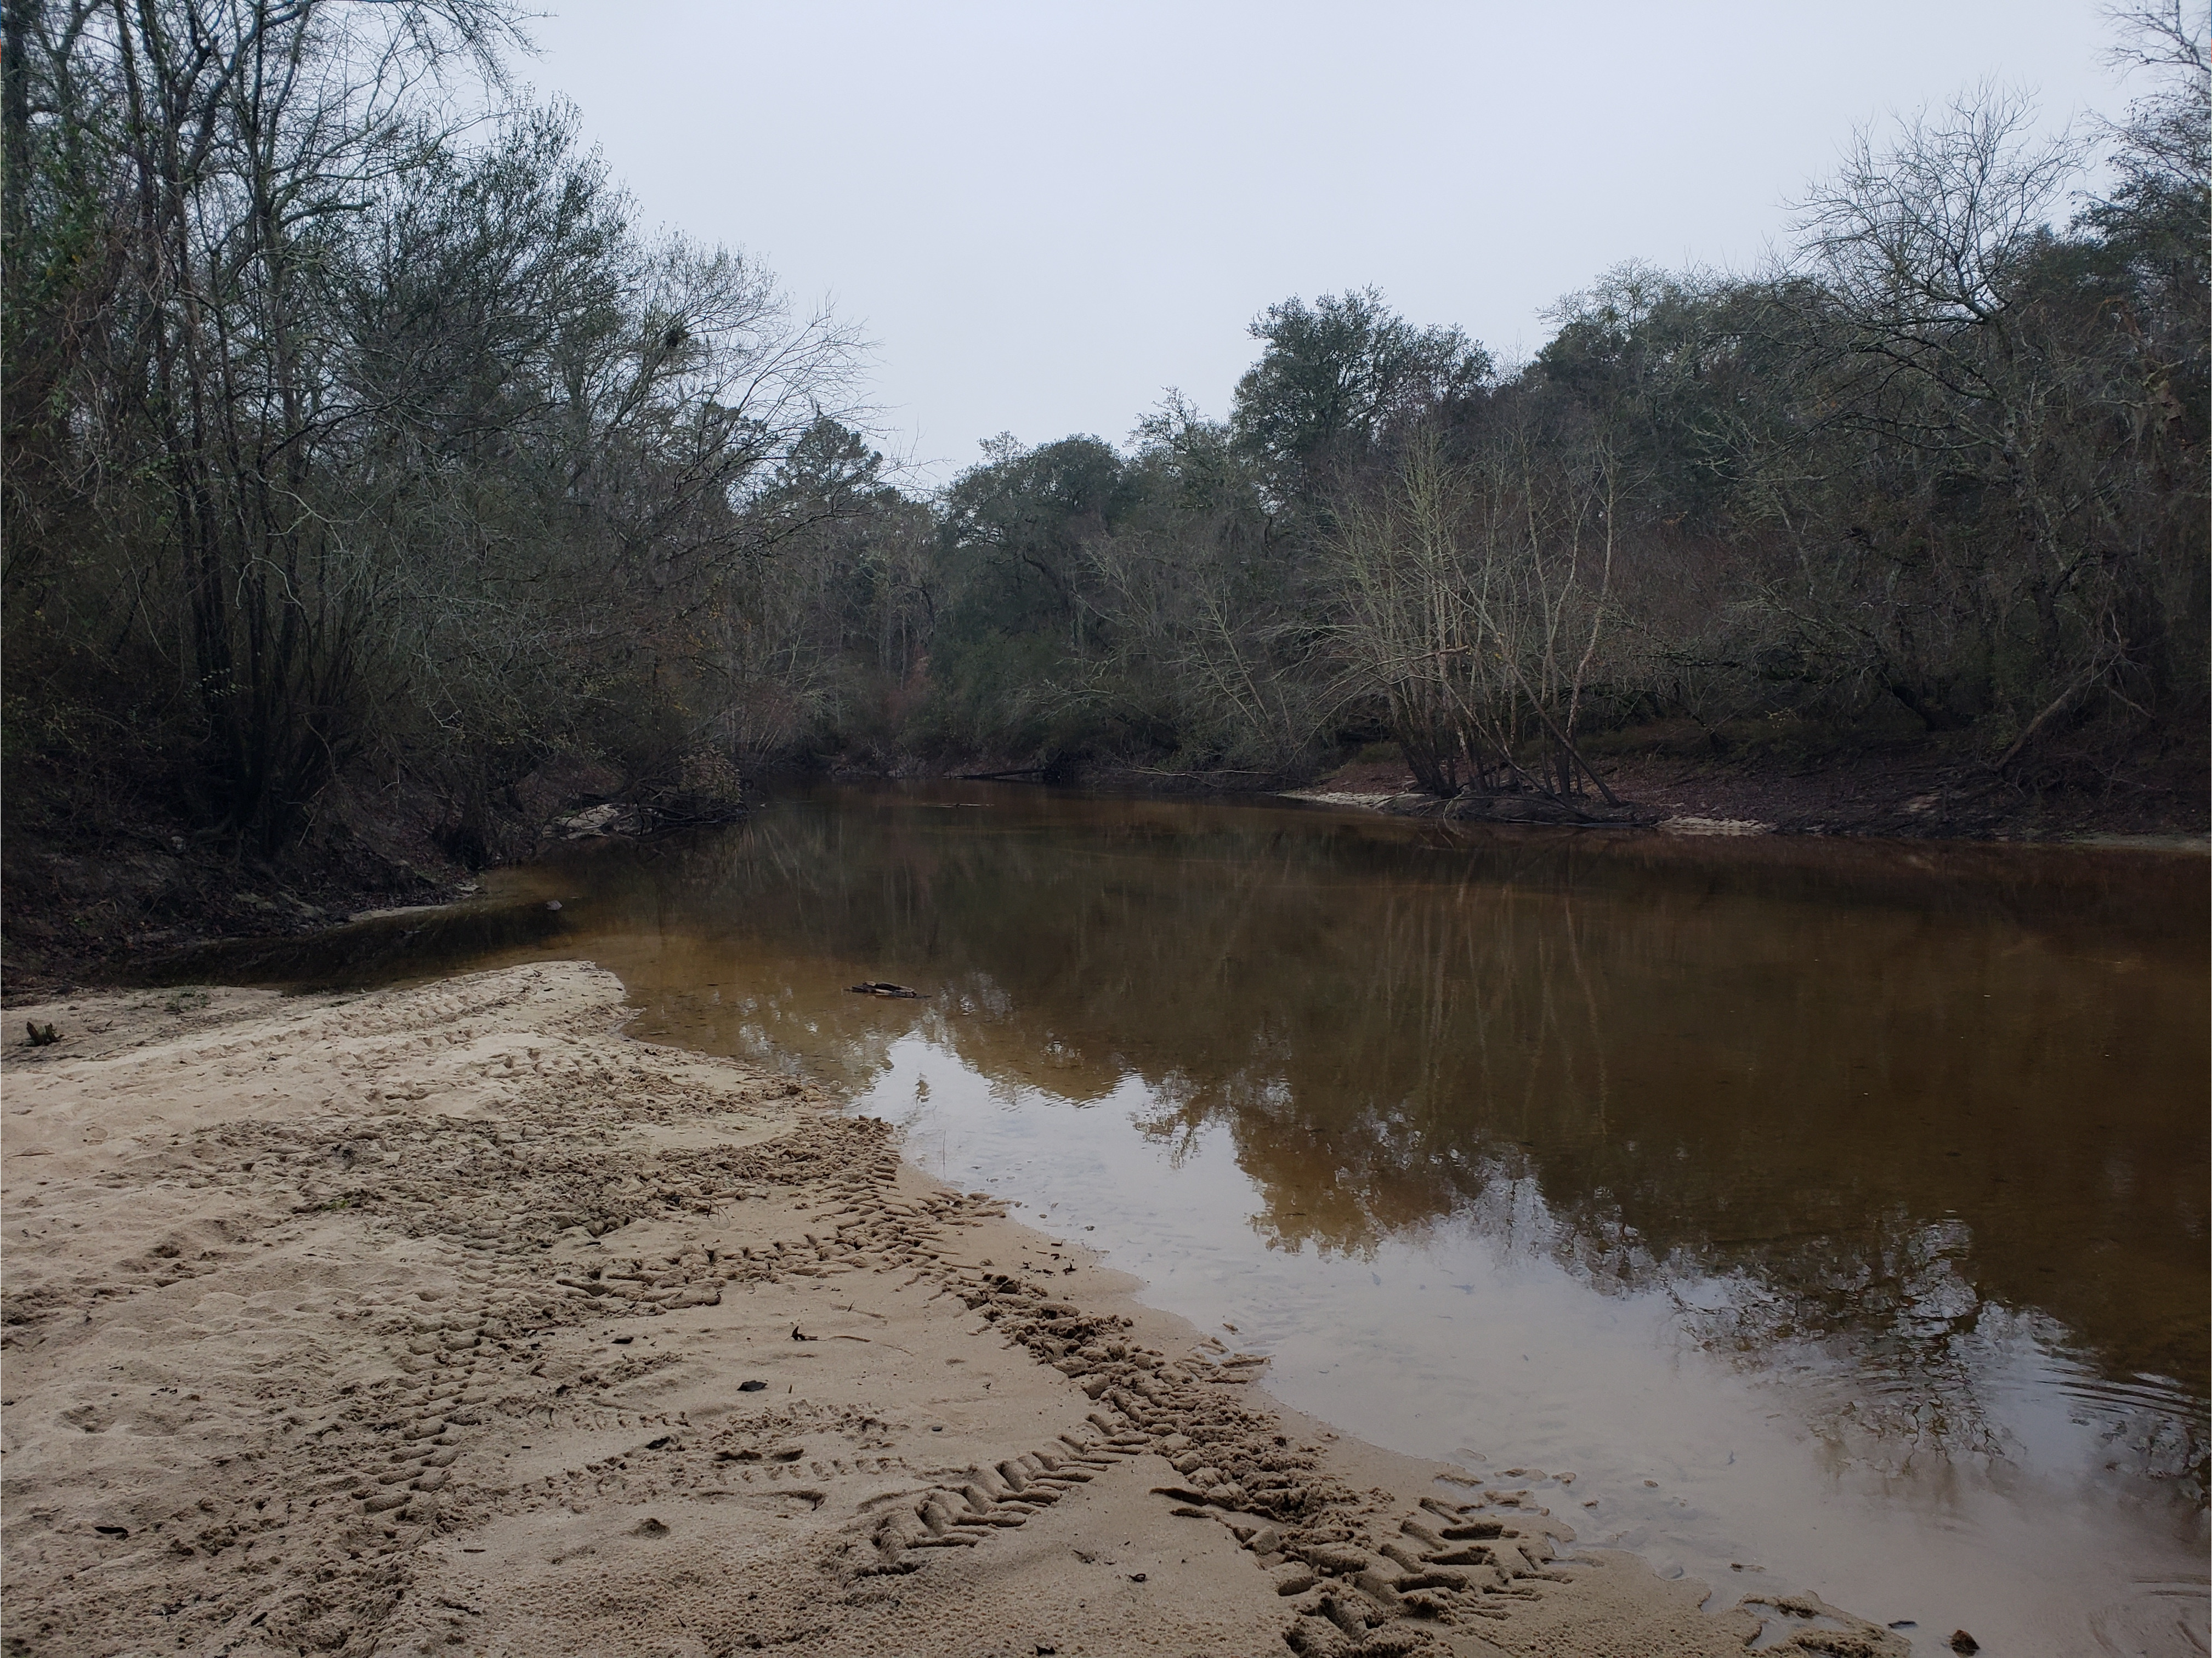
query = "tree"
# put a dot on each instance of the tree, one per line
(338, 425)
(1334, 377)
(1472, 600)
(2010, 549)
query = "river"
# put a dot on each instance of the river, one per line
(1799, 1213)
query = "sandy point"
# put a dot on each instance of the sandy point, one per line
(448, 1319)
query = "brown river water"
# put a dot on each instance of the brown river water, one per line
(1801, 1213)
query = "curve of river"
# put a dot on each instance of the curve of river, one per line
(1803, 1214)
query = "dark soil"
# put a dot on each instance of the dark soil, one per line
(1791, 783)
(1913, 796)
(82, 898)
(1923, 788)
(90, 892)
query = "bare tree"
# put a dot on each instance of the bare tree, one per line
(374, 422)
(1474, 600)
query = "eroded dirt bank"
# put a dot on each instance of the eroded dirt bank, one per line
(448, 1319)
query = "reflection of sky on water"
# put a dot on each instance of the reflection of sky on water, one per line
(1853, 1194)
(1965, 1489)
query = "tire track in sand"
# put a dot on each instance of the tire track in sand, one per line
(309, 1304)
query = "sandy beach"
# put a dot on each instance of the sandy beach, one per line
(449, 1318)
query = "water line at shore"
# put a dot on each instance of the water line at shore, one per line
(1468, 1344)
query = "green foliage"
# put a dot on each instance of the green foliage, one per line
(342, 443)
(1334, 378)
(1938, 471)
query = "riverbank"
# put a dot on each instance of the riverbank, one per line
(1915, 791)
(448, 1317)
(82, 894)
(91, 888)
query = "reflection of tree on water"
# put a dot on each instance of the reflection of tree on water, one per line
(1917, 1339)
(1898, 1312)
(1836, 1129)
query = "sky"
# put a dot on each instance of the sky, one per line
(1043, 214)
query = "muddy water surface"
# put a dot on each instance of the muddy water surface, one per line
(1803, 1214)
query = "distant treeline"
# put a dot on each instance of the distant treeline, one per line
(357, 440)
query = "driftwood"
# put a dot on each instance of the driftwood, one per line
(1530, 807)
(882, 988)
(628, 819)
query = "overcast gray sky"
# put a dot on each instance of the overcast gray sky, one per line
(1044, 214)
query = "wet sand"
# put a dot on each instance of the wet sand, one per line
(449, 1318)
